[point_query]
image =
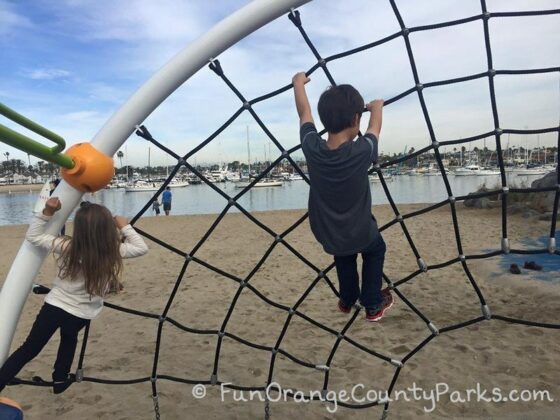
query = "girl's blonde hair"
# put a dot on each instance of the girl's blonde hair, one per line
(93, 251)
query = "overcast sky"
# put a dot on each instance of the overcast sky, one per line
(70, 64)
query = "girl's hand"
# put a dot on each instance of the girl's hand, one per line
(52, 205)
(120, 221)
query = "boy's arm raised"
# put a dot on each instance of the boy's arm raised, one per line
(375, 118)
(302, 103)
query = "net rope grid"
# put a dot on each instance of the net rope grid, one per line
(322, 275)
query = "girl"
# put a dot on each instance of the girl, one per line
(89, 265)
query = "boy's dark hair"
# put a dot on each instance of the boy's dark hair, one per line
(337, 107)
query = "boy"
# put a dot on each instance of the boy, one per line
(339, 196)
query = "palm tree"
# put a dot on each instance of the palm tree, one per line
(19, 165)
(7, 154)
(50, 168)
(120, 155)
(409, 162)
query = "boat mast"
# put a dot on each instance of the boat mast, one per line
(166, 166)
(538, 150)
(148, 163)
(126, 155)
(508, 151)
(248, 152)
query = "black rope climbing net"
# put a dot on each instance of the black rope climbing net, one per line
(280, 238)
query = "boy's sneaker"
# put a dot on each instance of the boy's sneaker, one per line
(376, 313)
(343, 308)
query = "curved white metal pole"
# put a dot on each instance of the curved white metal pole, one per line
(119, 127)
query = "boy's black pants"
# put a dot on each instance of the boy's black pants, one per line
(372, 275)
(49, 319)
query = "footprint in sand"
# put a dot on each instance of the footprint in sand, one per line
(534, 332)
(462, 348)
(64, 409)
(411, 365)
(123, 361)
(143, 350)
(402, 349)
(256, 372)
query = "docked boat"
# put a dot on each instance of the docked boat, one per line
(112, 185)
(208, 175)
(375, 178)
(468, 170)
(260, 184)
(142, 186)
(535, 170)
(415, 172)
(178, 184)
(488, 172)
(219, 175)
(233, 177)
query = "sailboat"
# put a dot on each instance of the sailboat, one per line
(263, 182)
(143, 185)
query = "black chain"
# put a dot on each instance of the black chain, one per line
(266, 408)
(156, 406)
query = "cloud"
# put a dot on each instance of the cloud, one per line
(47, 74)
(11, 21)
(106, 92)
(129, 21)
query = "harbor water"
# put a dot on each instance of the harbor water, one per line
(16, 208)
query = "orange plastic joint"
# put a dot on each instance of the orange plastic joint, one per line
(92, 171)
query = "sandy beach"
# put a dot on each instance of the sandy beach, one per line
(16, 188)
(493, 354)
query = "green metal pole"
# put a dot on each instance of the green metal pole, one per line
(28, 145)
(21, 142)
(33, 126)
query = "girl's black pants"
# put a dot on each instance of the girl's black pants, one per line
(49, 319)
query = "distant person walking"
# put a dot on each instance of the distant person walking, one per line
(166, 200)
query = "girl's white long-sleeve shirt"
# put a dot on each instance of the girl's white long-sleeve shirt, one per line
(71, 294)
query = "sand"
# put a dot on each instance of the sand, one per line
(490, 353)
(15, 188)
